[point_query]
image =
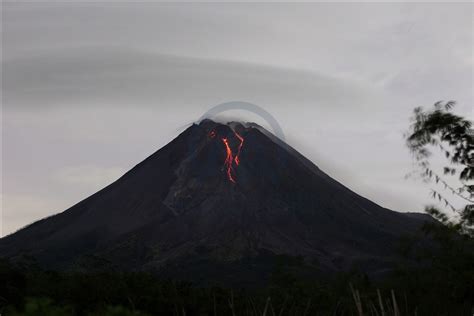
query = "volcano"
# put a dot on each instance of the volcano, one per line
(219, 202)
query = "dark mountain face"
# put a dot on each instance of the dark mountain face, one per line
(218, 203)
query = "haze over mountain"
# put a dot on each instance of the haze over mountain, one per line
(219, 202)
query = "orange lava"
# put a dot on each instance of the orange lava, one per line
(236, 159)
(230, 158)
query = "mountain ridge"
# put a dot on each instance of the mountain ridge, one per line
(218, 194)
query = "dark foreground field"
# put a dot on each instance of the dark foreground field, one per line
(444, 286)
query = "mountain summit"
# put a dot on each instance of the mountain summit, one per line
(218, 203)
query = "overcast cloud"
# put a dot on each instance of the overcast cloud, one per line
(90, 90)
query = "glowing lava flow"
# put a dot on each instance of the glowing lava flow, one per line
(236, 159)
(230, 158)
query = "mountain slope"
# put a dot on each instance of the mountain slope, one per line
(229, 196)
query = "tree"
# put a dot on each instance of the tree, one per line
(452, 134)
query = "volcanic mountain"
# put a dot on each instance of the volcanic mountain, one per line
(219, 202)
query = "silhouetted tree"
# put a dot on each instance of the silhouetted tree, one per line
(452, 134)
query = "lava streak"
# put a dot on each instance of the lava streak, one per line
(230, 158)
(241, 140)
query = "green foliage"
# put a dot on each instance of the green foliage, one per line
(441, 287)
(453, 135)
(449, 255)
(118, 311)
(39, 307)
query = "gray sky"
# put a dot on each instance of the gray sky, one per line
(90, 90)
